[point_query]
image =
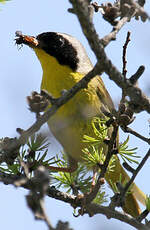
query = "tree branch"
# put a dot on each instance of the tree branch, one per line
(112, 35)
(91, 209)
(137, 97)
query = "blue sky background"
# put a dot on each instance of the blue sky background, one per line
(21, 73)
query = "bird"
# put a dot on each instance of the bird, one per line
(64, 62)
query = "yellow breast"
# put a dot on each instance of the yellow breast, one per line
(73, 119)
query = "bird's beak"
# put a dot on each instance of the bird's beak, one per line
(25, 39)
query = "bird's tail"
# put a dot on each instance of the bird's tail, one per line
(131, 205)
(140, 196)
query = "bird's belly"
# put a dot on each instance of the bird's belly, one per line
(71, 122)
(69, 132)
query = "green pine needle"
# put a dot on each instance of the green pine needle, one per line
(94, 153)
(37, 142)
(79, 179)
(94, 156)
(126, 153)
(101, 198)
(100, 130)
(37, 145)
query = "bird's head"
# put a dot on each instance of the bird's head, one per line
(65, 48)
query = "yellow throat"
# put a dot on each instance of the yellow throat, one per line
(72, 120)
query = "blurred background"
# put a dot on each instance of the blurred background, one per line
(21, 73)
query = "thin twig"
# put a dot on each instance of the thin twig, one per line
(46, 219)
(140, 9)
(138, 135)
(143, 215)
(111, 146)
(124, 60)
(97, 209)
(128, 184)
(134, 78)
(112, 35)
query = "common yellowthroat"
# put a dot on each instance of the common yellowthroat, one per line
(64, 62)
